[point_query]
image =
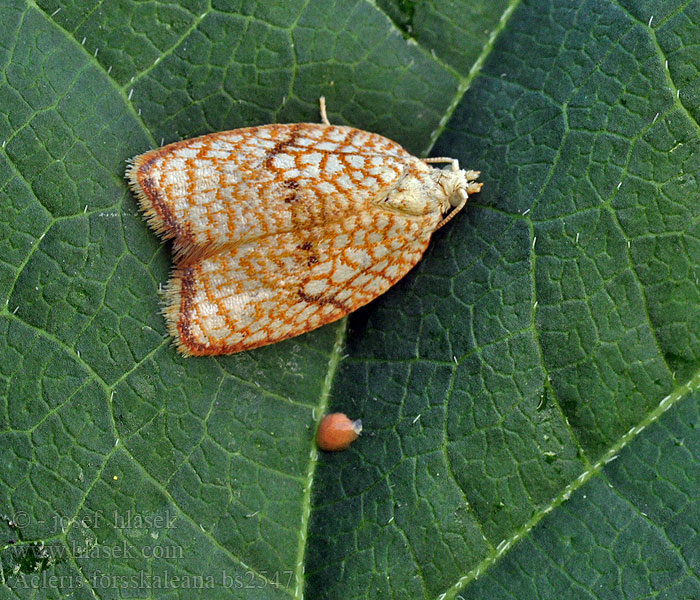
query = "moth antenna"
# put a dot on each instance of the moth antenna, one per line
(324, 115)
(443, 159)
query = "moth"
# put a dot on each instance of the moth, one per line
(279, 229)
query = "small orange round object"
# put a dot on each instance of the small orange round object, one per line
(337, 432)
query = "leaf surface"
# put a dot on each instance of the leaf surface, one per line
(528, 391)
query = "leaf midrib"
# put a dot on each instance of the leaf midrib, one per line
(319, 411)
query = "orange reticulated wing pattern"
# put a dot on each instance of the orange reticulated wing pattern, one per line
(280, 229)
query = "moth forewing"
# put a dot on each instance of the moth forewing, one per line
(279, 229)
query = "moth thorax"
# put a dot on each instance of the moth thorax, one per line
(415, 193)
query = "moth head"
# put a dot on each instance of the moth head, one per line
(423, 189)
(456, 185)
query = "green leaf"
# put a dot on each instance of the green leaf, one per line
(528, 391)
